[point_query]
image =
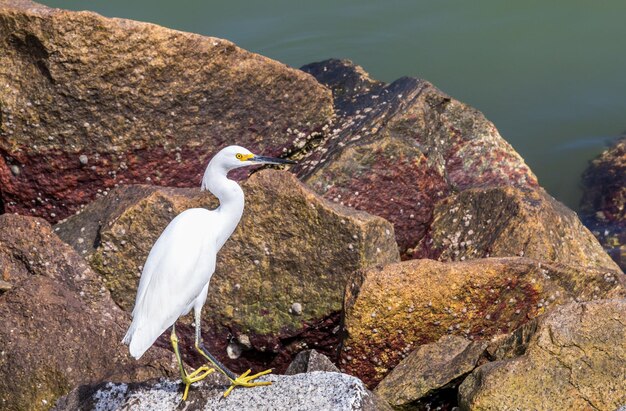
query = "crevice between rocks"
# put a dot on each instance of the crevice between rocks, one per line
(97, 241)
(317, 334)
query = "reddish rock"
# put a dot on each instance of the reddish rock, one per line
(88, 102)
(60, 326)
(507, 221)
(396, 149)
(389, 311)
(603, 207)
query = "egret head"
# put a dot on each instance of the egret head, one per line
(232, 157)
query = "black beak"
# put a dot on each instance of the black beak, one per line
(271, 160)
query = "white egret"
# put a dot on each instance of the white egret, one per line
(176, 274)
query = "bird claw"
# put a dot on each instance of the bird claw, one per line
(244, 381)
(197, 375)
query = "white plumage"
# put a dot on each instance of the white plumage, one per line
(178, 270)
(175, 276)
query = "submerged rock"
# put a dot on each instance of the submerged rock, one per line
(89, 102)
(390, 311)
(576, 360)
(397, 149)
(313, 391)
(428, 378)
(603, 207)
(507, 221)
(60, 327)
(290, 246)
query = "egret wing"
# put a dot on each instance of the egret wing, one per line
(178, 267)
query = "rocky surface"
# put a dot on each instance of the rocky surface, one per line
(310, 391)
(507, 221)
(60, 327)
(397, 149)
(576, 360)
(390, 311)
(308, 361)
(428, 378)
(278, 287)
(603, 207)
(89, 102)
(505, 346)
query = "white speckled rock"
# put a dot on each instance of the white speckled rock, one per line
(309, 391)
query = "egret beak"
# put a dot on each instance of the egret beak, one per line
(270, 160)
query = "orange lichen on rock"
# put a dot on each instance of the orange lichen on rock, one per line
(391, 310)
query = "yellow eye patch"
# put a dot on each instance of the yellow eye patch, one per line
(243, 157)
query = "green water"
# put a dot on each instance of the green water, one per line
(550, 74)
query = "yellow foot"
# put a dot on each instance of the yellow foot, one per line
(199, 374)
(244, 381)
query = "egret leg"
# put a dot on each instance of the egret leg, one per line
(244, 380)
(188, 379)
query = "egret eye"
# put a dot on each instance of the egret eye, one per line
(239, 156)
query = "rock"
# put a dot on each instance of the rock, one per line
(296, 308)
(576, 360)
(428, 378)
(603, 207)
(505, 346)
(396, 149)
(310, 391)
(5, 286)
(88, 102)
(291, 245)
(60, 326)
(506, 221)
(309, 361)
(390, 311)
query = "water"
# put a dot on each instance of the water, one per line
(550, 75)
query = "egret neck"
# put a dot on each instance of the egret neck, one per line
(230, 196)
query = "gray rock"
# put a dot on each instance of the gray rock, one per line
(575, 360)
(309, 361)
(296, 308)
(429, 376)
(311, 391)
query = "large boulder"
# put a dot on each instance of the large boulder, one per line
(391, 310)
(603, 207)
(429, 377)
(60, 326)
(507, 221)
(278, 287)
(576, 360)
(88, 102)
(396, 149)
(313, 391)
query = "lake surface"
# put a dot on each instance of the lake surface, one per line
(550, 75)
